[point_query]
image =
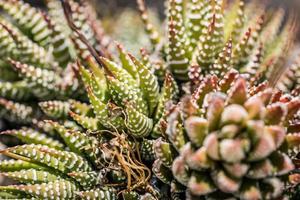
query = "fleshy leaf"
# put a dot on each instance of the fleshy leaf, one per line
(55, 109)
(138, 124)
(32, 136)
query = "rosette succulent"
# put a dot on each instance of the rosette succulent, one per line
(38, 51)
(123, 98)
(230, 139)
(202, 36)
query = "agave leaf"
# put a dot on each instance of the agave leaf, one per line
(55, 11)
(237, 170)
(253, 66)
(263, 148)
(197, 160)
(226, 183)
(145, 58)
(159, 128)
(292, 109)
(265, 95)
(214, 112)
(98, 72)
(255, 108)
(90, 81)
(289, 79)
(80, 17)
(258, 88)
(250, 190)
(197, 129)
(8, 45)
(181, 171)
(276, 113)
(283, 163)
(175, 130)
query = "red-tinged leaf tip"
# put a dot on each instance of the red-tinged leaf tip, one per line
(212, 25)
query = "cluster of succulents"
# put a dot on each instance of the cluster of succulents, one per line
(36, 60)
(203, 35)
(208, 112)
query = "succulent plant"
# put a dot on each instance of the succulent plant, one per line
(211, 36)
(229, 141)
(123, 98)
(48, 171)
(93, 164)
(234, 136)
(37, 57)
